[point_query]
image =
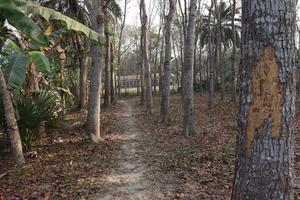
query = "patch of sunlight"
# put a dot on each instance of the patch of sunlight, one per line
(128, 178)
(125, 137)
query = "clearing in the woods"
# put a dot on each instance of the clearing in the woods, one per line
(140, 157)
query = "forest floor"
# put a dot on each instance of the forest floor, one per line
(140, 158)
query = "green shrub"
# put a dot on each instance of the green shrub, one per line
(36, 114)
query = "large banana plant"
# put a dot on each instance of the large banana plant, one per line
(10, 11)
(16, 13)
(16, 66)
(50, 14)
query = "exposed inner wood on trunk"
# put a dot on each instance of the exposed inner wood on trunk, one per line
(267, 95)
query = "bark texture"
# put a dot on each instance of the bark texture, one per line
(107, 82)
(233, 56)
(93, 118)
(142, 75)
(165, 93)
(210, 61)
(188, 119)
(83, 83)
(148, 76)
(11, 121)
(112, 74)
(264, 167)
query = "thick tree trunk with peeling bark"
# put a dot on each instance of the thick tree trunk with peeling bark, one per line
(165, 93)
(187, 81)
(148, 77)
(93, 118)
(11, 121)
(264, 167)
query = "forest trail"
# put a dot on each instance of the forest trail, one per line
(127, 179)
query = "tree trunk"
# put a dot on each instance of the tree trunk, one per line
(156, 58)
(148, 76)
(210, 61)
(112, 74)
(84, 77)
(32, 80)
(11, 121)
(165, 93)
(93, 118)
(120, 45)
(264, 166)
(219, 48)
(188, 104)
(107, 82)
(177, 64)
(200, 54)
(233, 55)
(142, 76)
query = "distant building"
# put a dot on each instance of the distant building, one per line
(133, 81)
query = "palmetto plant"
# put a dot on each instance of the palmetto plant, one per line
(37, 113)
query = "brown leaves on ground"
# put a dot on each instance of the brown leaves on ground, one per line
(69, 166)
(201, 166)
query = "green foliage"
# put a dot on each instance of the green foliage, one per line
(50, 14)
(37, 114)
(40, 61)
(15, 70)
(9, 9)
(16, 67)
(226, 26)
(4, 32)
(57, 33)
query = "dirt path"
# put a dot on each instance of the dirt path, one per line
(127, 178)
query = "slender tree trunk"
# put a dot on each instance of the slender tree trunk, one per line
(93, 118)
(107, 82)
(198, 68)
(200, 55)
(233, 56)
(264, 165)
(142, 76)
(188, 104)
(148, 77)
(210, 61)
(195, 61)
(177, 65)
(62, 81)
(112, 74)
(11, 121)
(120, 45)
(165, 94)
(83, 83)
(219, 48)
(160, 66)
(156, 58)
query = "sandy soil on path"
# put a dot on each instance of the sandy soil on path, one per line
(127, 178)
